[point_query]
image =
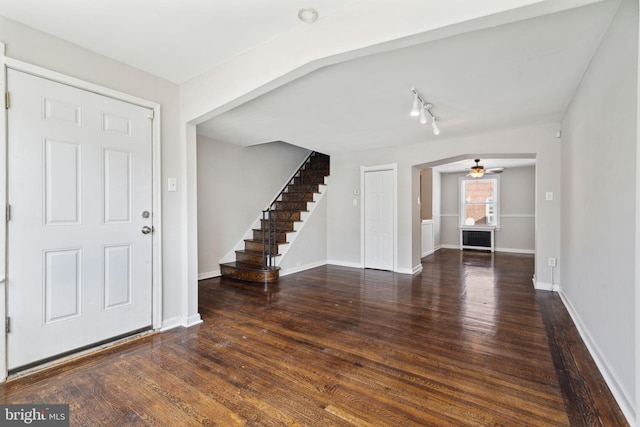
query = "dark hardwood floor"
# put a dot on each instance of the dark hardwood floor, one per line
(466, 342)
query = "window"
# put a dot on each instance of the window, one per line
(479, 202)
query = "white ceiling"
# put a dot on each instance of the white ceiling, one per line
(509, 75)
(173, 39)
(460, 166)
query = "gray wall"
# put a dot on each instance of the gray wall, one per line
(234, 185)
(598, 251)
(343, 218)
(426, 193)
(436, 206)
(517, 210)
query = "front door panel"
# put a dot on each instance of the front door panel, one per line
(79, 267)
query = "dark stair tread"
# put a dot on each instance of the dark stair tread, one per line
(245, 266)
(285, 213)
(252, 253)
(303, 188)
(267, 242)
(249, 273)
(260, 230)
(278, 228)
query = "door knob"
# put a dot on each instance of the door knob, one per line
(146, 229)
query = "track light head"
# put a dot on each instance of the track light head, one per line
(436, 129)
(415, 111)
(421, 108)
(423, 115)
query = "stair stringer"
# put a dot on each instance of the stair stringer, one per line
(298, 226)
(291, 236)
(231, 255)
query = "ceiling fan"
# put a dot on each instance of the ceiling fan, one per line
(478, 171)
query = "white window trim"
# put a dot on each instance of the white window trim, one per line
(461, 203)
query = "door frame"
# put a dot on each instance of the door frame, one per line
(156, 182)
(364, 169)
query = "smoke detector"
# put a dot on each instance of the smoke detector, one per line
(308, 15)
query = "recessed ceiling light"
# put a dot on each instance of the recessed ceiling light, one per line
(308, 15)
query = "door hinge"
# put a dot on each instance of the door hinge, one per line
(151, 114)
(8, 212)
(7, 100)
(7, 324)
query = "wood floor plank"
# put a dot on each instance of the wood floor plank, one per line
(466, 342)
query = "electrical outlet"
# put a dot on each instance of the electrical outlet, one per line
(552, 262)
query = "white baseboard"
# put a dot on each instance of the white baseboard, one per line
(445, 246)
(509, 250)
(286, 272)
(624, 401)
(414, 270)
(424, 254)
(209, 274)
(192, 320)
(516, 251)
(543, 286)
(181, 321)
(344, 263)
(172, 323)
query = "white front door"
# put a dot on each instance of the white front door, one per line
(79, 175)
(378, 219)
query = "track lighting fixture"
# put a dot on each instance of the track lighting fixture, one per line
(436, 129)
(421, 108)
(415, 111)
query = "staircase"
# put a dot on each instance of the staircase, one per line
(257, 261)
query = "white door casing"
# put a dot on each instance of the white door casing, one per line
(3, 202)
(379, 224)
(80, 177)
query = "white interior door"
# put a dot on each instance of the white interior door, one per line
(379, 219)
(79, 180)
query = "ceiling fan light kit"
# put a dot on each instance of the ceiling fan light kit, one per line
(421, 108)
(478, 171)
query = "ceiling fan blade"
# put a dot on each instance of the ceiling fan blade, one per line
(495, 170)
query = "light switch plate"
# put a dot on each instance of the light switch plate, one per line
(172, 184)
